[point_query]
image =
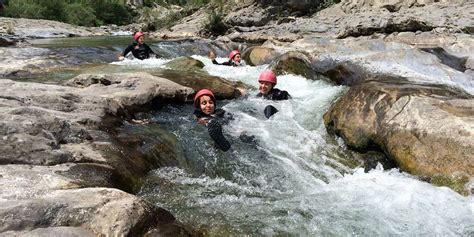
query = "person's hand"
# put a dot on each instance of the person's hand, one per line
(121, 58)
(212, 55)
(203, 121)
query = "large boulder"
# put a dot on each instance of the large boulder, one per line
(297, 63)
(222, 88)
(248, 16)
(91, 208)
(258, 55)
(359, 57)
(60, 168)
(185, 63)
(428, 130)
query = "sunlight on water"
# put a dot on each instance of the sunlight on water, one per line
(288, 180)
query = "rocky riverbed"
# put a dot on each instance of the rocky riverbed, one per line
(409, 66)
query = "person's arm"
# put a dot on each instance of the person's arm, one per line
(214, 61)
(150, 51)
(228, 63)
(282, 95)
(125, 52)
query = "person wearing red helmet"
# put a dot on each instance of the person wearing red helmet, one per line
(267, 82)
(207, 114)
(138, 48)
(235, 59)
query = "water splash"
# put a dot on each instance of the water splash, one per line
(290, 180)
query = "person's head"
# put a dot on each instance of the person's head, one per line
(267, 81)
(235, 55)
(212, 54)
(205, 101)
(139, 37)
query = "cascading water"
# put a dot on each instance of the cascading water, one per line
(290, 178)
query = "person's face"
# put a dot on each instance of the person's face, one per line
(265, 87)
(206, 104)
(141, 39)
(237, 58)
(212, 55)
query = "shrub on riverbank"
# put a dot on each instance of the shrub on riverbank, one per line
(78, 12)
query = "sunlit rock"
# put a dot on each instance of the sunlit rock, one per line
(185, 63)
(222, 88)
(100, 210)
(54, 149)
(428, 130)
(259, 55)
(297, 63)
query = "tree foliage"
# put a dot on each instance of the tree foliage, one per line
(79, 12)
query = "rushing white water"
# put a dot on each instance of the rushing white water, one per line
(292, 178)
(147, 63)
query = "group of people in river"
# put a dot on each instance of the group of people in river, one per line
(206, 111)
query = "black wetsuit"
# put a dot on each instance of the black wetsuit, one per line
(214, 126)
(274, 94)
(140, 51)
(228, 63)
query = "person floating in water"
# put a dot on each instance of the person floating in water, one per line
(235, 59)
(138, 48)
(207, 114)
(267, 82)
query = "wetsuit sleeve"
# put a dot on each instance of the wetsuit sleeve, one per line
(127, 50)
(150, 51)
(281, 95)
(214, 61)
(215, 132)
(228, 63)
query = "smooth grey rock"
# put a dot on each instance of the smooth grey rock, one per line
(53, 152)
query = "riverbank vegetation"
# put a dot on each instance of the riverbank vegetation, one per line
(123, 12)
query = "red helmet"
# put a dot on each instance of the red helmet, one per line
(233, 53)
(138, 35)
(201, 93)
(268, 76)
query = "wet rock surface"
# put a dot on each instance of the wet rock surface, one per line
(59, 168)
(426, 129)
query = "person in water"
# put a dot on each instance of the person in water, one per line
(267, 82)
(235, 59)
(138, 48)
(207, 114)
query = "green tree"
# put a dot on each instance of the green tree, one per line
(80, 14)
(25, 10)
